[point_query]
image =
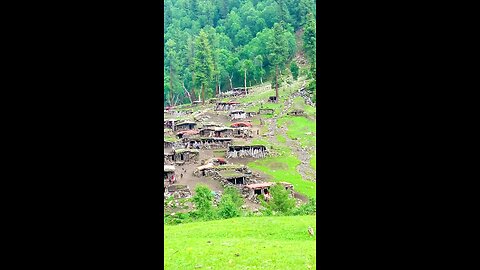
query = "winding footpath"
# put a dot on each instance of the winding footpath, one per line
(303, 154)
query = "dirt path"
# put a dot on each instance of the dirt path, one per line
(190, 180)
(303, 154)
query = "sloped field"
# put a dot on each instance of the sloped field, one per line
(242, 243)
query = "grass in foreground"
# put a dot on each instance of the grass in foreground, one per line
(241, 243)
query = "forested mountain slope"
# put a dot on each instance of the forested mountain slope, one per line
(214, 45)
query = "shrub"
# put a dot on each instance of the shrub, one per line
(310, 208)
(230, 204)
(234, 194)
(280, 201)
(227, 208)
(203, 201)
(312, 89)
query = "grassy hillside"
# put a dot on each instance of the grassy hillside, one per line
(242, 243)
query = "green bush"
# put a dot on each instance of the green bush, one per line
(227, 208)
(230, 204)
(310, 208)
(312, 89)
(203, 201)
(281, 202)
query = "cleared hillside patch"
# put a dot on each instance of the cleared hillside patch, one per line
(287, 171)
(300, 128)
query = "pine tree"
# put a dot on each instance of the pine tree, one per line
(204, 68)
(310, 41)
(171, 57)
(278, 51)
(191, 61)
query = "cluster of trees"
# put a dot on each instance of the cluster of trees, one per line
(230, 205)
(214, 45)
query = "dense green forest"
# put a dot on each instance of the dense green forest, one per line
(211, 46)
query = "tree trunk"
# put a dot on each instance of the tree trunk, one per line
(231, 85)
(216, 87)
(245, 80)
(276, 83)
(261, 80)
(171, 86)
(203, 93)
(193, 86)
(188, 94)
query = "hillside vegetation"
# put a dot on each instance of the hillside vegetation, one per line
(211, 46)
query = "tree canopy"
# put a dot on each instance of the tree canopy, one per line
(214, 45)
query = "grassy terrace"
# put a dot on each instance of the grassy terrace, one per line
(241, 243)
(300, 128)
(282, 167)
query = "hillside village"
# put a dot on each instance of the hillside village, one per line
(239, 79)
(243, 138)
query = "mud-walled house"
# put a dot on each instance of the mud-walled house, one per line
(224, 94)
(240, 91)
(223, 132)
(254, 190)
(168, 157)
(296, 112)
(207, 132)
(243, 151)
(237, 114)
(176, 113)
(168, 144)
(187, 125)
(251, 114)
(243, 132)
(209, 143)
(241, 124)
(211, 169)
(226, 106)
(169, 124)
(217, 161)
(264, 111)
(185, 156)
(184, 134)
(233, 177)
(168, 175)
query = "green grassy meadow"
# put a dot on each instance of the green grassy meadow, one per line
(241, 243)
